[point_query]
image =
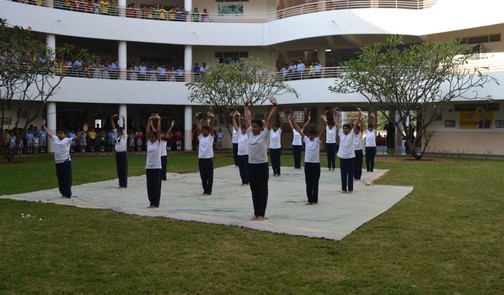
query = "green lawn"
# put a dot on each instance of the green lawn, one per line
(444, 238)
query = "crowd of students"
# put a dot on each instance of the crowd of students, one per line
(95, 139)
(145, 11)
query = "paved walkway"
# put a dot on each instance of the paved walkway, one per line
(335, 216)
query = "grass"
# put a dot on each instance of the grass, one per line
(444, 238)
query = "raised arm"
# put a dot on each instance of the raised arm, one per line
(323, 129)
(272, 113)
(372, 115)
(168, 132)
(357, 122)
(236, 120)
(43, 126)
(197, 122)
(123, 117)
(247, 115)
(158, 126)
(210, 120)
(295, 126)
(84, 130)
(308, 121)
(113, 121)
(335, 114)
(149, 124)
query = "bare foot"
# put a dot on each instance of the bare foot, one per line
(259, 218)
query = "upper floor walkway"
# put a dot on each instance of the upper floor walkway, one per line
(229, 13)
(320, 19)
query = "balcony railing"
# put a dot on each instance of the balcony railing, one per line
(155, 13)
(484, 65)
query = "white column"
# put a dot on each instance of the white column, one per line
(51, 42)
(188, 128)
(122, 8)
(122, 59)
(51, 124)
(344, 118)
(188, 7)
(188, 62)
(123, 111)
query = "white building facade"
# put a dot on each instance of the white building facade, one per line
(277, 32)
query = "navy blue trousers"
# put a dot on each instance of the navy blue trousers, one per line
(259, 177)
(122, 168)
(206, 174)
(64, 174)
(312, 177)
(370, 156)
(331, 155)
(347, 171)
(235, 153)
(153, 186)
(296, 151)
(244, 168)
(275, 160)
(358, 164)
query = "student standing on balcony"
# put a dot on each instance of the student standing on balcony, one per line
(62, 157)
(258, 158)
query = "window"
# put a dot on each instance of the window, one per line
(230, 57)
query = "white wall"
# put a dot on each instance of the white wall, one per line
(447, 15)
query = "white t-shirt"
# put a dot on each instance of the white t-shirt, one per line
(296, 138)
(276, 139)
(243, 144)
(205, 150)
(120, 142)
(258, 145)
(371, 138)
(153, 155)
(163, 148)
(358, 142)
(236, 133)
(312, 150)
(330, 134)
(61, 149)
(346, 146)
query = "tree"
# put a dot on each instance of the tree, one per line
(29, 76)
(415, 83)
(226, 87)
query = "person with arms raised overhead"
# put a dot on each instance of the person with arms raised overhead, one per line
(258, 135)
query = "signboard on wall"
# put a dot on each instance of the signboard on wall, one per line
(478, 119)
(230, 8)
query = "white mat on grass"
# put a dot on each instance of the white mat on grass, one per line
(336, 215)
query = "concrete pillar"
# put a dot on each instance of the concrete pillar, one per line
(49, 3)
(122, 8)
(51, 43)
(188, 62)
(188, 6)
(51, 124)
(122, 59)
(343, 118)
(188, 122)
(123, 110)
